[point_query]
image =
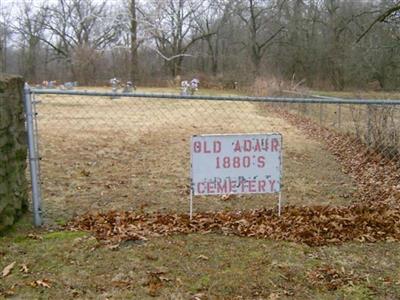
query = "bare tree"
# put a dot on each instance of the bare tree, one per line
(171, 25)
(3, 46)
(30, 27)
(208, 24)
(311, 39)
(134, 42)
(388, 13)
(260, 19)
(76, 29)
(5, 34)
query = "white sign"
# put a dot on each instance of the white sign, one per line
(236, 164)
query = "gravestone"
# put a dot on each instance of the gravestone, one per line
(194, 86)
(185, 88)
(129, 87)
(69, 85)
(114, 86)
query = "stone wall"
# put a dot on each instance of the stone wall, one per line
(13, 151)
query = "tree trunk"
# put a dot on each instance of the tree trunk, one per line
(175, 66)
(256, 59)
(134, 44)
(1, 57)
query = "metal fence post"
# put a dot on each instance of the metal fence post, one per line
(33, 158)
(369, 126)
(320, 113)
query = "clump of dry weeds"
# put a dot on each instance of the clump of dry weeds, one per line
(273, 86)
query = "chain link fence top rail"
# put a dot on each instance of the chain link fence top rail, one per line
(104, 151)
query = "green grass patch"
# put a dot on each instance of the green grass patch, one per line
(64, 235)
(214, 266)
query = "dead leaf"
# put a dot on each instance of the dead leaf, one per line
(8, 293)
(7, 270)
(227, 197)
(85, 173)
(203, 257)
(24, 268)
(45, 283)
(199, 296)
(166, 279)
(113, 247)
(151, 257)
(154, 284)
(273, 296)
(35, 237)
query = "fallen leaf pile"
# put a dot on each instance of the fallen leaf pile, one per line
(313, 225)
(331, 279)
(377, 177)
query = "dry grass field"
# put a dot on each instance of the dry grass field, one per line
(100, 154)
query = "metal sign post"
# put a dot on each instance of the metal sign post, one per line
(236, 164)
(191, 204)
(191, 184)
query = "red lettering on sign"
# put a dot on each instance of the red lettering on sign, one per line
(274, 145)
(272, 183)
(252, 186)
(222, 187)
(246, 161)
(200, 188)
(247, 145)
(210, 187)
(257, 147)
(205, 148)
(217, 147)
(226, 162)
(197, 147)
(237, 147)
(236, 162)
(261, 162)
(266, 146)
(261, 186)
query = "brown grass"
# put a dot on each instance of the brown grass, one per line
(102, 154)
(189, 266)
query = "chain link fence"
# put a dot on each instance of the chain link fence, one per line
(375, 125)
(107, 151)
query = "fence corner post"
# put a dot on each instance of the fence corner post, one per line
(33, 157)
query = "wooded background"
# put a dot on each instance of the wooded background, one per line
(326, 44)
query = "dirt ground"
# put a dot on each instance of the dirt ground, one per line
(127, 153)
